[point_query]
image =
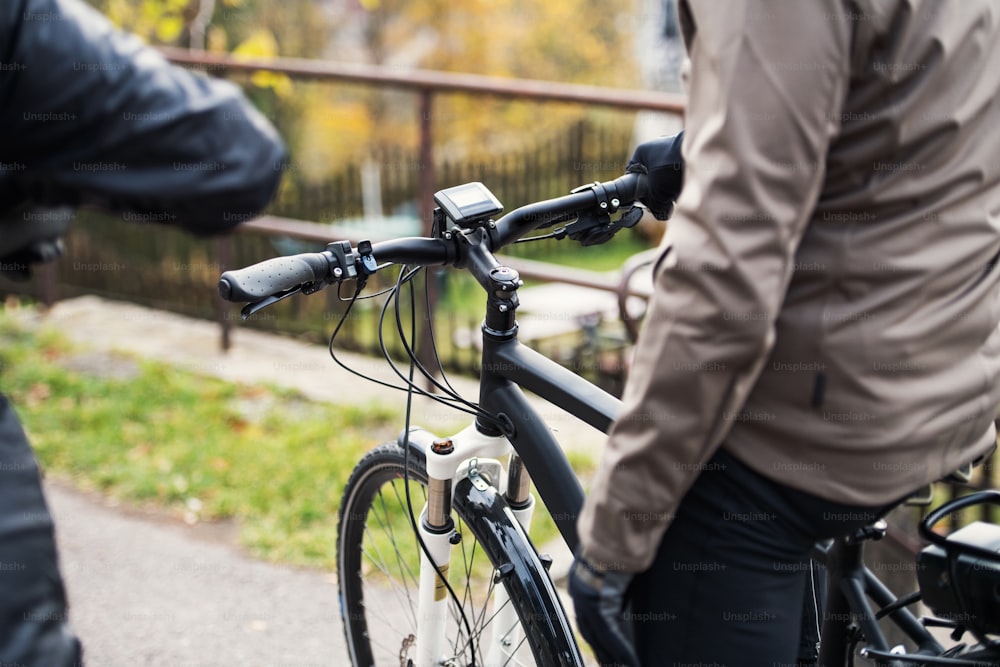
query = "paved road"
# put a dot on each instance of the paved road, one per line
(145, 591)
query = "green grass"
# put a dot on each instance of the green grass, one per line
(197, 447)
(608, 256)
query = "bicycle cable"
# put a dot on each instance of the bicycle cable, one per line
(816, 603)
(451, 397)
(430, 331)
(406, 477)
(456, 399)
(385, 353)
(366, 296)
(551, 235)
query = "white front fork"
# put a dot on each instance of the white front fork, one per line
(432, 604)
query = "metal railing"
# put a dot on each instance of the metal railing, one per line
(426, 85)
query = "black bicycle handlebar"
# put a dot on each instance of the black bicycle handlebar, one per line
(312, 270)
(608, 196)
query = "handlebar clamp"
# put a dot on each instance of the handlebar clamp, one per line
(605, 203)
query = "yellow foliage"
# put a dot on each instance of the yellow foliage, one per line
(169, 28)
(558, 40)
(337, 135)
(215, 39)
(279, 83)
(261, 44)
(152, 20)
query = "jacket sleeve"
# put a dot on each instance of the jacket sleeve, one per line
(92, 116)
(765, 79)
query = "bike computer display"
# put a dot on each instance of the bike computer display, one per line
(469, 203)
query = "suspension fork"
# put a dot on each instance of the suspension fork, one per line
(518, 493)
(436, 529)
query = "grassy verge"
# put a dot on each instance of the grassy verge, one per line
(608, 256)
(202, 448)
(197, 447)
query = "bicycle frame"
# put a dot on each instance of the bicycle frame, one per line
(466, 467)
(850, 585)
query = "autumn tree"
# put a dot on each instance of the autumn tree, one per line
(577, 41)
(563, 40)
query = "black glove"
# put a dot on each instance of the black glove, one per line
(600, 602)
(662, 162)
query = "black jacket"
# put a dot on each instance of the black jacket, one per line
(91, 116)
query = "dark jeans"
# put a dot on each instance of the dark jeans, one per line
(729, 582)
(33, 626)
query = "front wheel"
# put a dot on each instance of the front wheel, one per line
(378, 566)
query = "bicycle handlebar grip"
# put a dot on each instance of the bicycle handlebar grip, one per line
(631, 186)
(276, 275)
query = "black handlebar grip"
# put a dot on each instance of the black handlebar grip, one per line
(631, 187)
(273, 276)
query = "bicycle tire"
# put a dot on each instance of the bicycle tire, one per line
(375, 638)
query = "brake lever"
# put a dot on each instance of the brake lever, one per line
(597, 228)
(258, 306)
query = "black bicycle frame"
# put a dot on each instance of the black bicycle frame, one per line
(506, 367)
(507, 364)
(850, 584)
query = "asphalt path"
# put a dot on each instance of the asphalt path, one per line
(146, 590)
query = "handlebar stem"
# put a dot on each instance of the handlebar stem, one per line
(500, 282)
(502, 302)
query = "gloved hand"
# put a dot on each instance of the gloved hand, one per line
(31, 236)
(661, 160)
(600, 602)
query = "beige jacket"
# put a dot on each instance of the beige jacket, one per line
(827, 303)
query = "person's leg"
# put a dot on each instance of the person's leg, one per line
(729, 579)
(33, 626)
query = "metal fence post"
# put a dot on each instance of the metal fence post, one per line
(223, 247)
(48, 276)
(426, 187)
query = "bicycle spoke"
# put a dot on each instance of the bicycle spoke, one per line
(400, 561)
(414, 576)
